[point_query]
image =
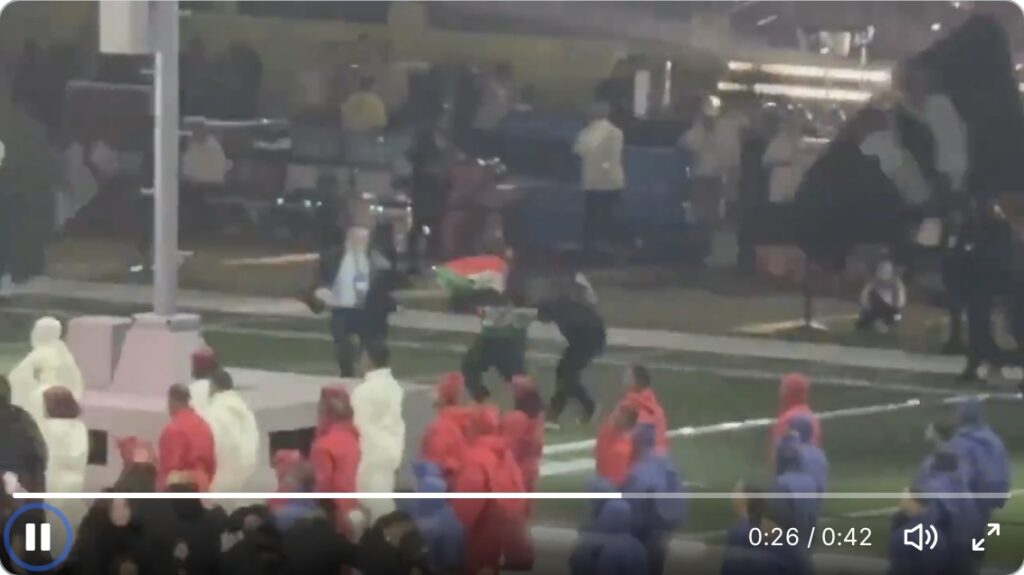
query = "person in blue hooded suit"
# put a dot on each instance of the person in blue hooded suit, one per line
(983, 457)
(609, 548)
(741, 557)
(813, 460)
(653, 518)
(956, 514)
(436, 521)
(804, 507)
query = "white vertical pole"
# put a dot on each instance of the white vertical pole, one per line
(165, 156)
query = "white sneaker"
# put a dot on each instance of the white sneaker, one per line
(552, 426)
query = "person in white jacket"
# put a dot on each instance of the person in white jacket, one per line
(377, 414)
(236, 437)
(67, 445)
(49, 364)
(599, 147)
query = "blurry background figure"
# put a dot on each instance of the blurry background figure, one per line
(78, 184)
(393, 546)
(204, 365)
(714, 141)
(988, 243)
(599, 147)
(497, 97)
(364, 110)
(882, 300)
(781, 161)
(432, 156)
(204, 169)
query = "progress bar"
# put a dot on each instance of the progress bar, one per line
(539, 496)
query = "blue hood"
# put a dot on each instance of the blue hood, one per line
(598, 484)
(643, 439)
(429, 483)
(615, 518)
(969, 412)
(802, 427)
(787, 457)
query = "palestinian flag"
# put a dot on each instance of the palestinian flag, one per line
(472, 274)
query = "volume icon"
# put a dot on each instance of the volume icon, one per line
(920, 538)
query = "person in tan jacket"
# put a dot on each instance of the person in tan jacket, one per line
(599, 147)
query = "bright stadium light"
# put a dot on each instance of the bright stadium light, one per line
(875, 76)
(799, 92)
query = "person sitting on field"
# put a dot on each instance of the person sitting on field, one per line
(882, 300)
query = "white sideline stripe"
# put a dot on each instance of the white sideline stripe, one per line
(772, 376)
(884, 511)
(584, 464)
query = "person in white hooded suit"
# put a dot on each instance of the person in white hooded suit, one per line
(236, 437)
(49, 364)
(377, 414)
(67, 446)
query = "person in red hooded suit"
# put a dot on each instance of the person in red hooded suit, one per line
(523, 429)
(444, 441)
(185, 448)
(613, 453)
(794, 392)
(489, 467)
(284, 462)
(335, 453)
(639, 397)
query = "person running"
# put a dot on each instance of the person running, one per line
(581, 325)
(501, 343)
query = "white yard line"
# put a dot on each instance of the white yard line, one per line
(579, 465)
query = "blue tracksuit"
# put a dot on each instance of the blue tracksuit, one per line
(957, 519)
(983, 457)
(792, 478)
(653, 519)
(812, 458)
(609, 548)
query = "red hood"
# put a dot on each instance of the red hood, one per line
(793, 391)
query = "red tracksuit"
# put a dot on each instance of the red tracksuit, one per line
(186, 446)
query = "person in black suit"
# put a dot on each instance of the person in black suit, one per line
(355, 284)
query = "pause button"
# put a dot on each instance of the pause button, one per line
(36, 537)
(43, 529)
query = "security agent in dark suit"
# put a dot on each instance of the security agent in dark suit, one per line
(987, 245)
(355, 284)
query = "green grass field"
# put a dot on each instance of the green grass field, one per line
(872, 453)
